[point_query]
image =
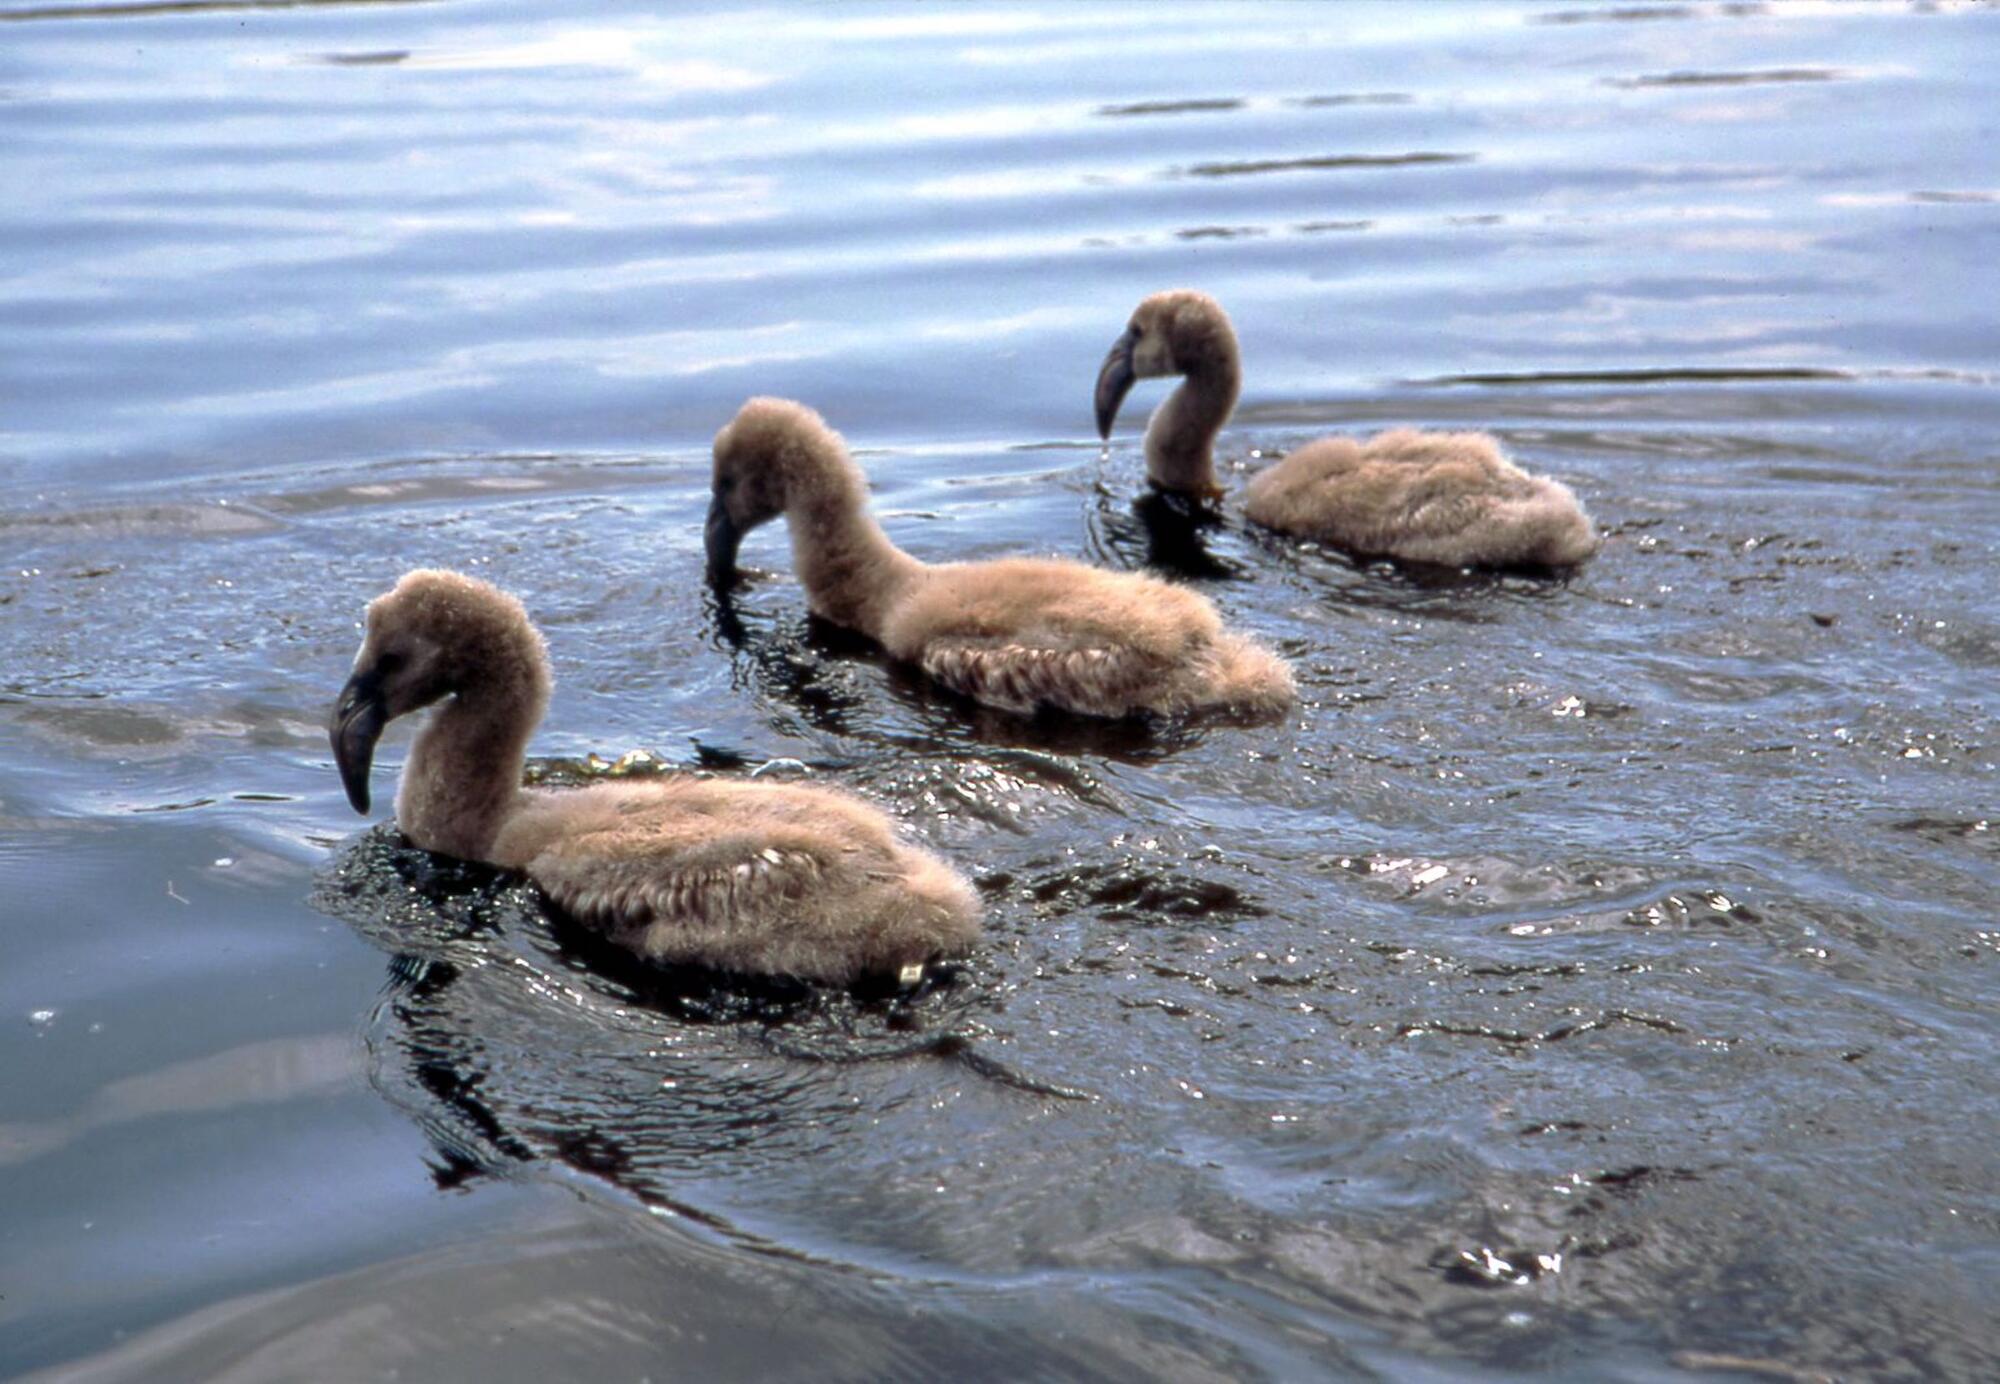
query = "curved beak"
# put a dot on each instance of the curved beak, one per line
(722, 538)
(356, 724)
(1114, 381)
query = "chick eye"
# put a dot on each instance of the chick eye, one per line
(390, 662)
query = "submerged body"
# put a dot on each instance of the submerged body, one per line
(1448, 498)
(777, 879)
(1017, 633)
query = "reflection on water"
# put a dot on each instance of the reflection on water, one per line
(282, 1069)
(1172, 107)
(1322, 161)
(1590, 979)
(1679, 79)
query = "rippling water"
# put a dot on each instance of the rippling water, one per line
(1592, 980)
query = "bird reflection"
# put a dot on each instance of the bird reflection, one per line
(806, 664)
(515, 1037)
(1166, 532)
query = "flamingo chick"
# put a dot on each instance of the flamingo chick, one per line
(1017, 633)
(1449, 498)
(777, 879)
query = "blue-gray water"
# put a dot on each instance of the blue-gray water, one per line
(1593, 980)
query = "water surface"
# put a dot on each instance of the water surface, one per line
(1593, 979)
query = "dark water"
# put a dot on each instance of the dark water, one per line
(1592, 980)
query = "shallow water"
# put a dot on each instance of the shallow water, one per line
(1592, 980)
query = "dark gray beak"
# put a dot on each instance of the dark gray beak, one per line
(722, 538)
(1114, 381)
(358, 718)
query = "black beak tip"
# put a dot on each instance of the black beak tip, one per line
(720, 540)
(1114, 382)
(353, 729)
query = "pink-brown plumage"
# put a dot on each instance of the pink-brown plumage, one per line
(1449, 498)
(1018, 633)
(784, 879)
